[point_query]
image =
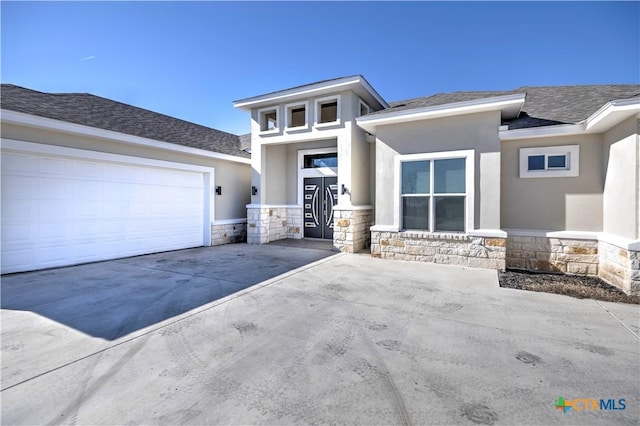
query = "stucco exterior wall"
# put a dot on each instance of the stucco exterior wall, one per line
(621, 164)
(473, 131)
(233, 177)
(561, 203)
(275, 174)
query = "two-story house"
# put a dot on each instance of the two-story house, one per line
(312, 166)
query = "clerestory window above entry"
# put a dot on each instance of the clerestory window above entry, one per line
(268, 118)
(328, 110)
(296, 116)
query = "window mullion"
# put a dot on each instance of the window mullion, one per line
(431, 197)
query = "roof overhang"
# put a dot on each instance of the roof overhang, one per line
(609, 115)
(43, 123)
(356, 83)
(508, 105)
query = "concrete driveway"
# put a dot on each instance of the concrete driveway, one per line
(346, 340)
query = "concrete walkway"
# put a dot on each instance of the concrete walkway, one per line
(349, 339)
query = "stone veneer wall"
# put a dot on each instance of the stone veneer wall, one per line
(559, 255)
(351, 229)
(620, 267)
(266, 224)
(228, 233)
(453, 249)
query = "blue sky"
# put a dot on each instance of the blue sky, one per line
(192, 60)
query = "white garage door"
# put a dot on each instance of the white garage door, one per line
(60, 210)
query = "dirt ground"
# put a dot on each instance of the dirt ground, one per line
(569, 285)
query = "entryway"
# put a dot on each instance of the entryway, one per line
(320, 195)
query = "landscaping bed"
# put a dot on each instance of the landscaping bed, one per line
(580, 287)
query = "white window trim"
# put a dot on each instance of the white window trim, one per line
(288, 108)
(361, 104)
(261, 111)
(573, 161)
(314, 172)
(325, 100)
(468, 155)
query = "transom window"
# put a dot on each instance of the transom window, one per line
(321, 160)
(550, 161)
(434, 192)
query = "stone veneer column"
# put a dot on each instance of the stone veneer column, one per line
(257, 225)
(351, 229)
(620, 267)
(272, 223)
(228, 233)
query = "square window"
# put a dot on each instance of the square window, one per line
(536, 162)
(268, 120)
(434, 192)
(416, 177)
(415, 213)
(557, 162)
(329, 112)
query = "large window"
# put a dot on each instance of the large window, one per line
(434, 194)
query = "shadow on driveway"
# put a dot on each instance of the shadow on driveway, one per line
(111, 299)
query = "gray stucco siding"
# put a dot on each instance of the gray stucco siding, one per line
(478, 132)
(558, 203)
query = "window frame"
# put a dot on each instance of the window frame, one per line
(287, 116)
(262, 112)
(571, 169)
(361, 104)
(325, 100)
(469, 156)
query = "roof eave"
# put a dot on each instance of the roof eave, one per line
(509, 105)
(44, 123)
(606, 117)
(313, 90)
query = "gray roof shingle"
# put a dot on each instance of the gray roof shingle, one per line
(102, 113)
(544, 106)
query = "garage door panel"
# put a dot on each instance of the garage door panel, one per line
(18, 164)
(60, 211)
(49, 166)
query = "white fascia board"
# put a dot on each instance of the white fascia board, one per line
(612, 113)
(306, 91)
(34, 121)
(369, 123)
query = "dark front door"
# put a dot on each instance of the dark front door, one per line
(320, 195)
